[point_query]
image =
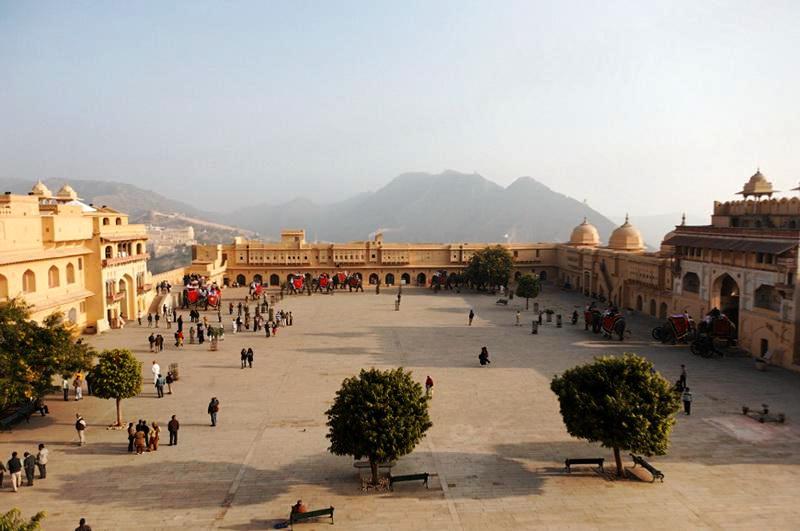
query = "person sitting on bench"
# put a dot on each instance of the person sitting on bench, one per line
(299, 507)
(483, 357)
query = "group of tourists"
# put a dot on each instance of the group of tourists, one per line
(247, 357)
(29, 463)
(143, 437)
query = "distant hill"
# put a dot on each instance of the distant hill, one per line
(419, 207)
(124, 197)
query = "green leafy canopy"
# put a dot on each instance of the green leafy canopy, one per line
(378, 414)
(620, 402)
(489, 267)
(528, 286)
(118, 375)
(13, 521)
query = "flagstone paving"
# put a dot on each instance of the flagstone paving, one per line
(497, 444)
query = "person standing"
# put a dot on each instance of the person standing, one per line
(139, 318)
(88, 381)
(83, 526)
(149, 320)
(65, 387)
(179, 320)
(429, 387)
(160, 386)
(156, 370)
(518, 315)
(250, 357)
(80, 427)
(157, 319)
(173, 426)
(131, 436)
(243, 355)
(41, 461)
(3, 471)
(155, 435)
(15, 470)
(169, 380)
(687, 401)
(683, 376)
(471, 317)
(29, 463)
(139, 441)
(213, 409)
(483, 357)
(200, 333)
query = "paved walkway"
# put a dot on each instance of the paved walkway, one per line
(497, 444)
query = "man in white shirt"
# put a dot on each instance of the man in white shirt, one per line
(41, 461)
(156, 370)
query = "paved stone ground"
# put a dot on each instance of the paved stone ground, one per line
(497, 444)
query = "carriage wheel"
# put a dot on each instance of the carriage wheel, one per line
(656, 333)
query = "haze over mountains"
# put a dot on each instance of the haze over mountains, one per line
(449, 206)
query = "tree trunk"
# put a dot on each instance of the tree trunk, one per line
(618, 459)
(527, 300)
(119, 412)
(373, 465)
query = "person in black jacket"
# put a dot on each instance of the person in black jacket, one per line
(15, 469)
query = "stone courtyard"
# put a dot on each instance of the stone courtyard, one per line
(497, 445)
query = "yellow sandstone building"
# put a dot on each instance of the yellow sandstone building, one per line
(745, 263)
(62, 255)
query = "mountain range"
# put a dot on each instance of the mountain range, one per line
(417, 207)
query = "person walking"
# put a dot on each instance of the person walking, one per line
(429, 387)
(683, 376)
(213, 409)
(173, 426)
(471, 317)
(160, 382)
(156, 370)
(80, 427)
(29, 463)
(15, 471)
(149, 320)
(65, 387)
(152, 340)
(158, 317)
(131, 436)
(687, 401)
(139, 318)
(169, 381)
(78, 385)
(41, 461)
(243, 355)
(518, 316)
(250, 357)
(179, 321)
(160, 342)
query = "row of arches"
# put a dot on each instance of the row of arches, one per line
(654, 309)
(54, 279)
(389, 279)
(122, 250)
(107, 221)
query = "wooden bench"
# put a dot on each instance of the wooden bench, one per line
(639, 460)
(409, 477)
(319, 513)
(15, 414)
(583, 461)
(504, 302)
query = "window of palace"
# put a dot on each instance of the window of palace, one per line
(52, 277)
(109, 252)
(106, 221)
(28, 282)
(691, 283)
(767, 297)
(118, 221)
(3, 288)
(80, 265)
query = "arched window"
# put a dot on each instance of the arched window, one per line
(691, 283)
(257, 278)
(3, 288)
(767, 297)
(109, 252)
(118, 221)
(52, 277)
(72, 315)
(421, 279)
(105, 221)
(373, 278)
(389, 279)
(274, 280)
(138, 248)
(28, 282)
(653, 307)
(70, 273)
(241, 280)
(542, 275)
(405, 278)
(639, 303)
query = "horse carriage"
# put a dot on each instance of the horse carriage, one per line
(714, 330)
(678, 328)
(439, 280)
(610, 322)
(195, 296)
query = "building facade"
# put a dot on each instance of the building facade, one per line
(59, 254)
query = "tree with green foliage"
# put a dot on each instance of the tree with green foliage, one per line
(489, 267)
(117, 375)
(380, 415)
(13, 521)
(620, 402)
(31, 354)
(529, 287)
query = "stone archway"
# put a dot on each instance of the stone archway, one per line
(639, 303)
(274, 280)
(241, 280)
(725, 296)
(389, 279)
(373, 278)
(421, 279)
(257, 278)
(405, 278)
(662, 310)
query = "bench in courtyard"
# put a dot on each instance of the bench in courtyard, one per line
(504, 302)
(15, 414)
(409, 477)
(568, 463)
(639, 460)
(308, 515)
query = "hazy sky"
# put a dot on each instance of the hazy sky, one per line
(645, 107)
